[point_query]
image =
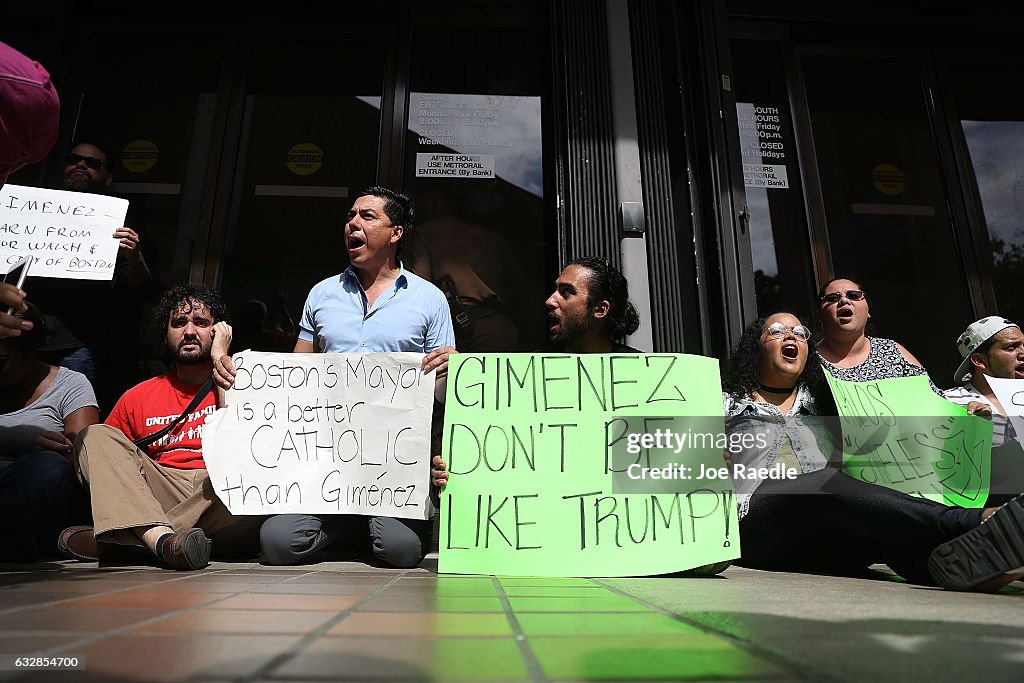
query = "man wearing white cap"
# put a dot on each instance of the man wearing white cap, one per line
(990, 347)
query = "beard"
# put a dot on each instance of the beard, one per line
(568, 328)
(192, 357)
(76, 182)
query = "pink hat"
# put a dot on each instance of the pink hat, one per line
(29, 111)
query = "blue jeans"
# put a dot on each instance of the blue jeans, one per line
(81, 360)
(39, 496)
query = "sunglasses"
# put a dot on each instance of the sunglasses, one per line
(851, 294)
(779, 331)
(91, 162)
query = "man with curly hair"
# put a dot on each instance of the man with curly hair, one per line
(148, 484)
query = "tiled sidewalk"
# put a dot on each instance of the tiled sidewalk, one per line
(346, 621)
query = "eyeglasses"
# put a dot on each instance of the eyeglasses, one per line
(91, 162)
(851, 294)
(778, 331)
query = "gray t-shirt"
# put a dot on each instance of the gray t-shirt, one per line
(69, 391)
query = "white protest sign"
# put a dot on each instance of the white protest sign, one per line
(1010, 393)
(69, 234)
(339, 433)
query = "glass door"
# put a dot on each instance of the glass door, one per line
(886, 199)
(309, 118)
(990, 118)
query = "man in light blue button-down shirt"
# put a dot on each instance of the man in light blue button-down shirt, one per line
(375, 305)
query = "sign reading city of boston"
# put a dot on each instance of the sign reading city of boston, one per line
(339, 433)
(899, 434)
(68, 234)
(538, 448)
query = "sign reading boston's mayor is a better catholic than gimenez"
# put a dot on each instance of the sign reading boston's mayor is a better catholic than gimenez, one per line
(341, 433)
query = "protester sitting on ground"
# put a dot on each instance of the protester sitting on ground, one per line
(846, 351)
(78, 339)
(589, 312)
(990, 347)
(144, 468)
(375, 305)
(823, 520)
(42, 409)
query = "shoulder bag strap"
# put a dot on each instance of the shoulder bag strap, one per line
(196, 400)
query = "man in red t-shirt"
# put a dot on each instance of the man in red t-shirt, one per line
(159, 497)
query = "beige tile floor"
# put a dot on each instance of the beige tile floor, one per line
(348, 622)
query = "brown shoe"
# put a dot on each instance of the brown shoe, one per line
(186, 549)
(78, 543)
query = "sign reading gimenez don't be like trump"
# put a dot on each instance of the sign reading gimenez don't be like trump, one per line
(585, 465)
(341, 433)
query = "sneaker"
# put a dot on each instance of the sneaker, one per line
(985, 558)
(186, 549)
(78, 543)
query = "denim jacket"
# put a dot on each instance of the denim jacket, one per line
(810, 438)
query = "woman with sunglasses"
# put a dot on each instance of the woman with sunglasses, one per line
(845, 350)
(817, 518)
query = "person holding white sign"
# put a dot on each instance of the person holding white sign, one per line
(375, 305)
(78, 339)
(144, 467)
(990, 347)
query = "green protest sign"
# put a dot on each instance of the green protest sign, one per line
(585, 465)
(899, 434)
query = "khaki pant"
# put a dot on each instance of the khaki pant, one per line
(129, 490)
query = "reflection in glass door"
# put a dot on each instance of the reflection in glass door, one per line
(780, 251)
(992, 119)
(885, 200)
(474, 163)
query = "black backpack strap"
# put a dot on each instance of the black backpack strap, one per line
(459, 314)
(196, 400)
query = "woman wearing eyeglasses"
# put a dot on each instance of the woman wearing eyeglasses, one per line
(845, 350)
(817, 518)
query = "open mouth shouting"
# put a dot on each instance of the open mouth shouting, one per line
(1018, 372)
(844, 314)
(355, 242)
(790, 351)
